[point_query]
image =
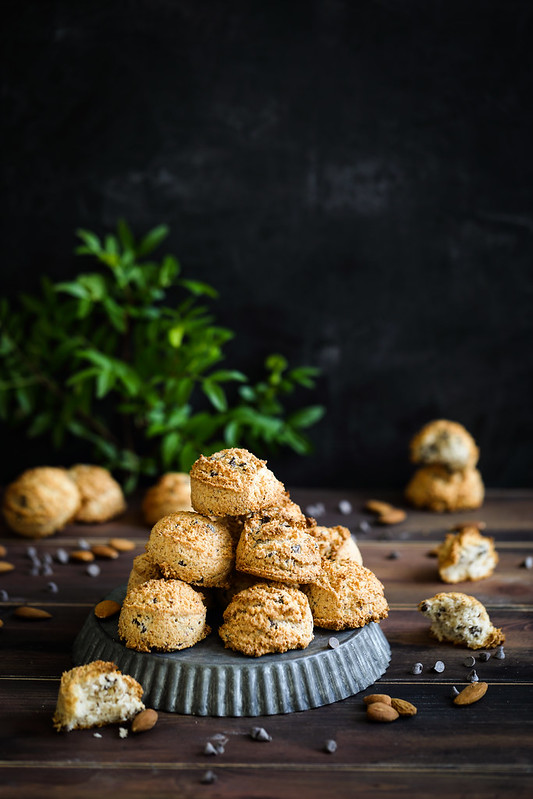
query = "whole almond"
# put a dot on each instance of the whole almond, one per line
(393, 516)
(379, 711)
(3, 551)
(144, 720)
(5, 567)
(102, 551)
(122, 544)
(1, 623)
(471, 693)
(403, 707)
(106, 609)
(83, 555)
(371, 698)
(377, 506)
(27, 612)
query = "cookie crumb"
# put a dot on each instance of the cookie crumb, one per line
(97, 735)
(122, 731)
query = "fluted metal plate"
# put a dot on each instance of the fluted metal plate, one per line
(209, 680)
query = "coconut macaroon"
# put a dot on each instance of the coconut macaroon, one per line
(461, 619)
(144, 569)
(101, 496)
(346, 595)
(267, 619)
(190, 547)
(232, 482)
(274, 549)
(162, 615)
(94, 695)
(437, 489)
(445, 443)
(170, 494)
(466, 555)
(336, 543)
(41, 501)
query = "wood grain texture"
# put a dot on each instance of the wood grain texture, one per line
(484, 749)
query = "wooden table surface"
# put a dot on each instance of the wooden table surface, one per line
(484, 750)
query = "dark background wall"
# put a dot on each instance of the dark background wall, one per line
(356, 178)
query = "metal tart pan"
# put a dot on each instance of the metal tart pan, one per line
(209, 680)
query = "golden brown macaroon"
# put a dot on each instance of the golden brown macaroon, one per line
(274, 549)
(143, 569)
(461, 619)
(101, 496)
(162, 615)
(444, 443)
(232, 482)
(190, 547)
(437, 489)
(346, 595)
(466, 555)
(266, 619)
(170, 494)
(94, 695)
(336, 543)
(41, 501)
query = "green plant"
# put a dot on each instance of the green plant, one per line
(104, 359)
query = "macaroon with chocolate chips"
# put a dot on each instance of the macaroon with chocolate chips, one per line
(461, 619)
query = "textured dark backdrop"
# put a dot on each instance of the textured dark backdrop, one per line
(356, 178)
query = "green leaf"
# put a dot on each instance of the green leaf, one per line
(169, 448)
(168, 271)
(276, 363)
(91, 241)
(232, 432)
(198, 288)
(125, 235)
(306, 417)
(215, 394)
(104, 383)
(73, 288)
(40, 423)
(175, 336)
(188, 454)
(152, 240)
(227, 374)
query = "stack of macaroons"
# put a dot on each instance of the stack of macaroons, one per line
(447, 479)
(250, 548)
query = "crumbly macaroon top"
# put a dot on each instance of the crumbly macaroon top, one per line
(268, 601)
(43, 488)
(93, 480)
(347, 577)
(89, 672)
(330, 539)
(165, 595)
(228, 468)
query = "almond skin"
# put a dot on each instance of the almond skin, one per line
(3, 551)
(379, 711)
(403, 707)
(122, 544)
(5, 567)
(106, 609)
(371, 698)
(377, 506)
(27, 612)
(472, 693)
(1, 623)
(144, 720)
(394, 516)
(83, 555)
(102, 551)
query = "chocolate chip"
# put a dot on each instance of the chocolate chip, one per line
(484, 656)
(424, 607)
(527, 563)
(315, 510)
(417, 668)
(83, 544)
(260, 734)
(333, 642)
(209, 749)
(4, 596)
(469, 661)
(47, 559)
(364, 526)
(62, 556)
(31, 552)
(93, 569)
(35, 570)
(345, 507)
(454, 692)
(393, 555)
(47, 571)
(52, 587)
(439, 666)
(500, 654)
(209, 778)
(473, 676)
(330, 746)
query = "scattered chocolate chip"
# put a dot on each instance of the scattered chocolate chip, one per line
(97, 735)
(484, 656)
(47, 559)
(439, 666)
(93, 569)
(527, 563)
(330, 746)
(83, 544)
(364, 526)
(260, 734)
(62, 556)
(35, 571)
(209, 749)
(469, 661)
(345, 506)
(52, 587)
(47, 571)
(219, 749)
(333, 642)
(315, 510)
(473, 676)
(4, 596)
(31, 552)
(393, 555)
(221, 738)
(417, 668)
(209, 778)
(454, 692)
(499, 654)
